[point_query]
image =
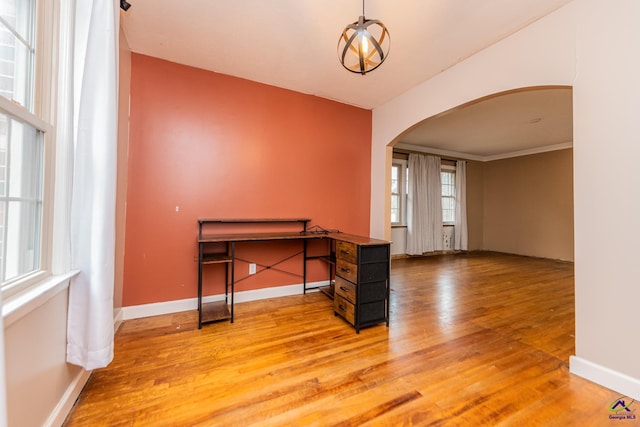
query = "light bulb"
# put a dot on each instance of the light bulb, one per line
(365, 44)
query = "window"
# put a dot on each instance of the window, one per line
(17, 51)
(23, 141)
(21, 150)
(448, 182)
(399, 190)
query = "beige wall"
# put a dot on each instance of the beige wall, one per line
(528, 205)
(475, 205)
(521, 205)
(38, 376)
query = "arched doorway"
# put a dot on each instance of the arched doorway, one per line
(518, 147)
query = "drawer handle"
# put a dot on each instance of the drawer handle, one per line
(342, 307)
(345, 252)
(342, 288)
(345, 270)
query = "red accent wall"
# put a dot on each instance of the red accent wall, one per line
(207, 145)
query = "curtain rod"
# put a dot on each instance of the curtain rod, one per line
(405, 151)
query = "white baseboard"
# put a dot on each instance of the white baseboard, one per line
(616, 381)
(65, 404)
(117, 318)
(155, 309)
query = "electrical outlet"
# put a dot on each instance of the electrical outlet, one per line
(252, 269)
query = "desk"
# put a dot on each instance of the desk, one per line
(359, 264)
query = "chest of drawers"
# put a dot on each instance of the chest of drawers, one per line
(361, 292)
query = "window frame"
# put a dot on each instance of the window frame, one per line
(452, 170)
(404, 167)
(402, 185)
(41, 118)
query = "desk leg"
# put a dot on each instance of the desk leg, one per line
(200, 286)
(304, 266)
(233, 277)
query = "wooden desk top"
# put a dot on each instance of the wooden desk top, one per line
(358, 240)
(289, 235)
(248, 237)
(251, 220)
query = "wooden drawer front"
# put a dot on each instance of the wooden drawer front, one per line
(347, 270)
(347, 251)
(375, 291)
(372, 312)
(374, 272)
(345, 289)
(344, 308)
(374, 253)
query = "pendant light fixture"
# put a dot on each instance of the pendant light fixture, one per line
(363, 45)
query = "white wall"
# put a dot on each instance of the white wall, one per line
(607, 135)
(591, 45)
(398, 241)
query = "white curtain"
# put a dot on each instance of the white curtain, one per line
(3, 389)
(460, 225)
(95, 68)
(424, 205)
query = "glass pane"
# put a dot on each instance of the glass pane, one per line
(448, 216)
(3, 166)
(395, 201)
(395, 208)
(21, 154)
(448, 203)
(406, 181)
(17, 52)
(394, 186)
(4, 157)
(22, 251)
(394, 179)
(448, 209)
(448, 184)
(24, 177)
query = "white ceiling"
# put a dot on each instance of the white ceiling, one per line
(292, 44)
(505, 125)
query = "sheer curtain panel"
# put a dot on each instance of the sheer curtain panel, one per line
(90, 325)
(3, 388)
(460, 225)
(424, 205)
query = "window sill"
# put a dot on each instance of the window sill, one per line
(19, 305)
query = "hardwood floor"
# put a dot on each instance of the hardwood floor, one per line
(477, 339)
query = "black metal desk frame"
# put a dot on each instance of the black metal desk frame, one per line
(224, 310)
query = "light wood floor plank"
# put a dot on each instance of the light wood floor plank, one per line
(476, 339)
